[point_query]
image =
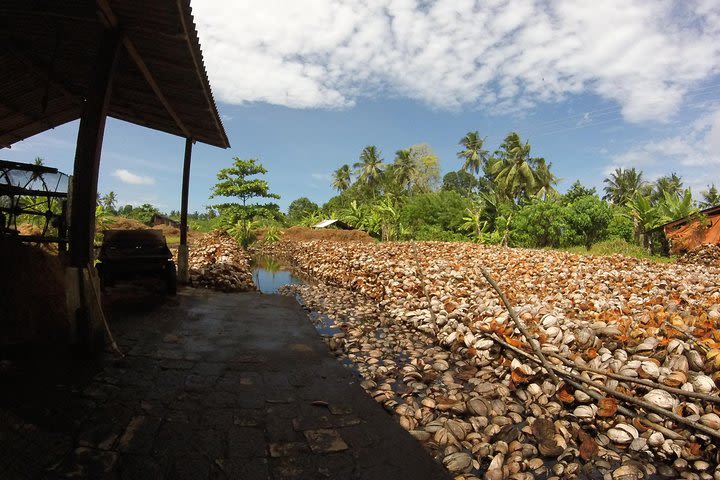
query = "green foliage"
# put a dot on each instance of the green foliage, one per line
(341, 178)
(472, 153)
(233, 182)
(668, 184)
(576, 191)
(272, 234)
(711, 198)
(429, 212)
(539, 223)
(618, 246)
(144, 213)
(589, 218)
(102, 222)
(675, 206)
(623, 185)
(370, 167)
(620, 226)
(109, 201)
(301, 208)
(461, 182)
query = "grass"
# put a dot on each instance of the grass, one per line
(619, 246)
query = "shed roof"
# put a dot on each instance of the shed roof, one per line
(50, 49)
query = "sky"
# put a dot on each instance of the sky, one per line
(304, 86)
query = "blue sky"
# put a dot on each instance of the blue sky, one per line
(304, 86)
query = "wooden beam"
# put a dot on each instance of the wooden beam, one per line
(112, 20)
(183, 270)
(87, 153)
(200, 68)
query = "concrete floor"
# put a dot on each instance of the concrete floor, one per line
(215, 386)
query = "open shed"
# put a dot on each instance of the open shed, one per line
(139, 62)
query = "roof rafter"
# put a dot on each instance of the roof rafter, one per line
(111, 19)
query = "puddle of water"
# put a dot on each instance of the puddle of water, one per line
(269, 275)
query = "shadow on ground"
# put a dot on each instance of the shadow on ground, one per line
(236, 386)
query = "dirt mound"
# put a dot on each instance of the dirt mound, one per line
(32, 295)
(122, 223)
(167, 230)
(305, 234)
(216, 261)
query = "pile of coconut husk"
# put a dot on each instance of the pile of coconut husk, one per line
(32, 295)
(708, 254)
(217, 261)
(626, 381)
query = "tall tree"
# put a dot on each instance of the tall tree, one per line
(426, 174)
(370, 167)
(545, 180)
(403, 169)
(472, 153)
(623, 185)
(512, 173)
(711, 198)
(109, 201)
(670, 184)
(233, 182)
(341, 178)
(301, 208)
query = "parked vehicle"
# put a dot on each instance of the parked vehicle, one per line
(128, 254)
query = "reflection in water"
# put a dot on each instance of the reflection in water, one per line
(269, 275)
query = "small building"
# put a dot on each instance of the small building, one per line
(689, 233)
(332, 223)
(158, 219)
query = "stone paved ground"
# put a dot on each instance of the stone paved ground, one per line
(217, 386)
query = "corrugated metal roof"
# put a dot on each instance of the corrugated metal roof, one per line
(49, 50)
(324, 223)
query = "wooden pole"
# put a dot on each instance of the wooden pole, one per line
(87, 153)
(183, 273)
(83, 305)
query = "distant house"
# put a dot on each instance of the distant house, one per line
(688, 233)
(158, 219)
(334, 224)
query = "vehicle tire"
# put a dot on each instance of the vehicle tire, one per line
(171, 278)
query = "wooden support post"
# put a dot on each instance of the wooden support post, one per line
(183, 271)
(87, 153)
(81, 296)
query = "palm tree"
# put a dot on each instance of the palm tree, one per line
(370, 167)
(403, 168)
(341, 178)
(545, 180)
(622, 185)
(670, 184)
(473, 153)
(711, 197)
(109, 201)
(513, 173)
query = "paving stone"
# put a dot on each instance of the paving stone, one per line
(246, 442)
(247, 417)
(135, 467)
(314, 422)
(189, 467)
(139, 434)
(345, 420)
(325, 441)
(168, 364)
(288, 449)
(244, 468)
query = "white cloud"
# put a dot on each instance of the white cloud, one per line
(322, 176)
(127, 176)
(694, 153)
(500, 55)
